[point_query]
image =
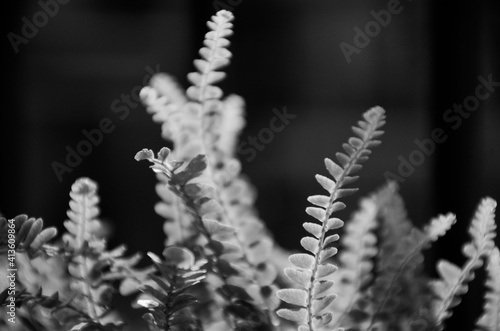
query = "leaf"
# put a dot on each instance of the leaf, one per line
(439, 226)
(351, 151)
(300, 276)
(334, 223)
(343, 159)
(449, 271)
(324, 319)
(293, 296)
(43, 237)
(325, 182)
(297, 315)
(182, 301)
(354, 168)
(356, 142)
(334, 169)
(310, 244)
(327, 253)
(321, 286)
(35, 229)
(145, 154)
(326, 270)
(179, 257)
(313, 228)
(146, 303)
(25, 228)
(305, 261)
(317, 213)
(330, 239)
(319, 200)
(337, 206)
(161, 297)
(344, 192)
(321, 303)
(194, 169)
(163, 154)
(216, 228)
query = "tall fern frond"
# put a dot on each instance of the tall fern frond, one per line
(490, 319)
(196, 122)
(210, 125)
(312, 272)
(454, 280)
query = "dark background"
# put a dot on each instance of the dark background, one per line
(286, 54)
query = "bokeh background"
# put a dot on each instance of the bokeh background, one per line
(90, 54)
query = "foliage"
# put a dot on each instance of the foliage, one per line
(221, 268)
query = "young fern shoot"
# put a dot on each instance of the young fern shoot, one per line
(311, 271)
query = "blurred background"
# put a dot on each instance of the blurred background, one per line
(85, 61)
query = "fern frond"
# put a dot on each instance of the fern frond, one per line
(490, 319)
(94, 269)
(164, 99)
(218, 249)
(82, 240)
(206, 124)
(312, 272)
(356, 266)
(199, 123)
(23, 234)
(453, 279)
(400, 270)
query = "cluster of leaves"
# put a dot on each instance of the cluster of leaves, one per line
(24, 235)
(219, 268)
(177, 274)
